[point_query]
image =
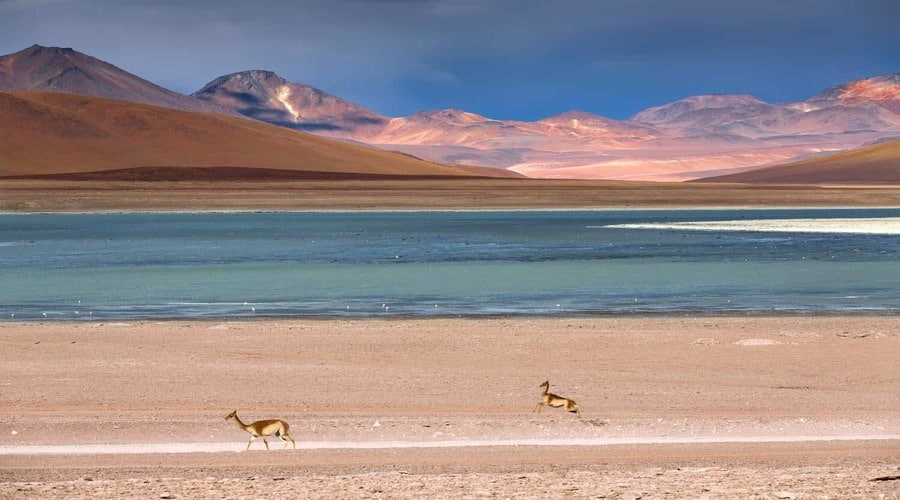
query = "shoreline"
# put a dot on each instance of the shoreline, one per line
(23, 196)
(623, 208)
(391, 317)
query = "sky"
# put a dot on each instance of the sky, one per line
(504, 59)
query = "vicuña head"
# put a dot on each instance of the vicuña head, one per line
(263, 428)
(554, 401)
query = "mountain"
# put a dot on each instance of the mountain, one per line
(879, 88)
(578, 125)
(575, 130)
(875, 164)
(50, 133)
(881, 92)
(692, 138)
(695, 137)
(704, 111)
(446, 127)
(862, 106)
(59, 69)
(265, 96)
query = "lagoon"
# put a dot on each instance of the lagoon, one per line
(122, 266)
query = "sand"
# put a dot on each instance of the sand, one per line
(714, 407)
(416, 194)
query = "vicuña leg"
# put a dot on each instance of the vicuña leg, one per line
(285, 437)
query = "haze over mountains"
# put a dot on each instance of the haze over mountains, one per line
(697, 137)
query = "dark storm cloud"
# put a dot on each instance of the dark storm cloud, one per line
(503, 58)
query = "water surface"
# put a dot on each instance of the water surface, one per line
(205, 265)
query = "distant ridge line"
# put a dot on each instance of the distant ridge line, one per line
(175, 173)
(696, 137)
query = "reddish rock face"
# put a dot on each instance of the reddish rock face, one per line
(879, 88)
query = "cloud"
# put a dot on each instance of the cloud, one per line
(427, 74)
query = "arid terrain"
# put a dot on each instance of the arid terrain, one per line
(788, 407)
(41, 195)
(870, 165)
(47, 133)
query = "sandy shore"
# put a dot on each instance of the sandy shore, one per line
(466, 194)
(716, 407)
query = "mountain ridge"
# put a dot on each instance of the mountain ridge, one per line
(678, 141)
(63, 69)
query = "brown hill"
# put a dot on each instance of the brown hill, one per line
(44, 133)
(878, 164)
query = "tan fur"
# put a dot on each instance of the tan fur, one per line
(263, 428)
(554, 401)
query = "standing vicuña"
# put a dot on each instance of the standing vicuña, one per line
(555, 401)
(264, 428)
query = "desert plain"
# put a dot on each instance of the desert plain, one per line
(671, 407)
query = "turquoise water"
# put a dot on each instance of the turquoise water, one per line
(220, 265)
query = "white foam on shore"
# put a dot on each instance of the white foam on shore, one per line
(877, 225)
(234, 447)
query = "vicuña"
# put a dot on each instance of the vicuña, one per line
(554, 401)
(263, 428)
